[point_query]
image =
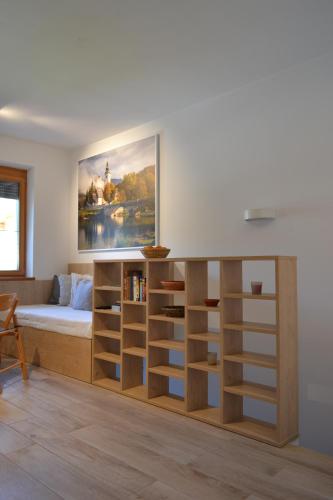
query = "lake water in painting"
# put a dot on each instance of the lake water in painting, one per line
(97, 233)
(117, 198)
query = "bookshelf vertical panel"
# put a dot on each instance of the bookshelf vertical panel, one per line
(197, 390)
(232, 310)
(286, 284)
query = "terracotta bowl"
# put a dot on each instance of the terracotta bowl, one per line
(155, 252)
(211, 302)
(173, 285)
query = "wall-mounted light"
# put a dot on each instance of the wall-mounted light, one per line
(259, 214)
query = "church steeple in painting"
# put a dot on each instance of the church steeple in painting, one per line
(107, 172)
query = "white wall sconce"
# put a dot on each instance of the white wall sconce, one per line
(259, 214)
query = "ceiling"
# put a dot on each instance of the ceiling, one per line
(76, 71)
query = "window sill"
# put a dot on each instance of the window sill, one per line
(16, 278)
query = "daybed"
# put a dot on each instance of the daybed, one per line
(55, 337)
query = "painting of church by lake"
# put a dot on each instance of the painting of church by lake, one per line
(117, 197)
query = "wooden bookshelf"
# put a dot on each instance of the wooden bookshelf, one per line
(134, 349)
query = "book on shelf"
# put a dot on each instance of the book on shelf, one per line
(116, 306)
(135, 286)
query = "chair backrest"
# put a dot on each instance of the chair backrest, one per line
(8, 303)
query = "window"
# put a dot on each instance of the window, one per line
(13, 195)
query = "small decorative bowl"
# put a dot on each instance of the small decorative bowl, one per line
(174, 311)
(173, 285)
(211, 302)
(155, 252)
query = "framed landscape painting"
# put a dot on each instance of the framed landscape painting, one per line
(118, 198)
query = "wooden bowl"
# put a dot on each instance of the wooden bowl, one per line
(211, 302)
(173, 285)
(174, 311)
(155, 252)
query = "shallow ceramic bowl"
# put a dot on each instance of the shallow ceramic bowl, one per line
(174, 311)
(155, 253)
(211, 302)
(173, 285)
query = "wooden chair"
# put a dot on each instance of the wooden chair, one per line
(9, 327)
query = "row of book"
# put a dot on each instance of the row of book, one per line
(135, 286)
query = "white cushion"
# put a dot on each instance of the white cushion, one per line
(83, 296)
(65, 283)
(56, 318)
(76, 278)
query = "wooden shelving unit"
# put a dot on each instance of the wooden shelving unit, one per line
(134, 351)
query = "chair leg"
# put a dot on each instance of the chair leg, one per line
(21, 356)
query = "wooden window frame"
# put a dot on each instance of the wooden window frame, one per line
(20, 176)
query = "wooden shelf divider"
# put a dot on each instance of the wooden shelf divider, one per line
(168, 371)
(172, 344)
(251, 326)
(168, 319)
(205, 367)
(108, 356)
(109, 334)
(140, 327)
(133, 349)
(256, 391)
(252, 358)
(205, 337)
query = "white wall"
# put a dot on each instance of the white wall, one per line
(268, 144)
(48, 202)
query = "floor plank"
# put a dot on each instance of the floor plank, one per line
(61, 438)
(10, 440)
(17, 484)
(59, 476)
(88, 459)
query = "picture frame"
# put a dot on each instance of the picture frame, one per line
(118, 198)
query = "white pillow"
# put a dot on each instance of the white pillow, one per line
(83, 295)
(76, 278)
(65, 284)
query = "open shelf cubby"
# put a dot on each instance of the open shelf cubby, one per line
(144, 354)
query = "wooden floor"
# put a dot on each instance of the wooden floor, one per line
(60, 438)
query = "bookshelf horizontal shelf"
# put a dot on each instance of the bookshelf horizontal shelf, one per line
(135, 351)
(138, 392)
(205, 367)
(169, 402)
(135, 302)
(168, 371)
(162, 291)
(250, 326)
(108, 383)
(172, 344)
(168, 319)
(252, 390)
(204, 308)
(210, 415)
(255, 429)
(205, 337)
(141, 327)
(107, 311)
(108, 356)
(251, 358)
(108, 288)
(109, 334)
(246, 295)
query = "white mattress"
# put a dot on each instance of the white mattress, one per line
(59, 319)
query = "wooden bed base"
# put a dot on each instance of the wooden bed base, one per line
(60, 353)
